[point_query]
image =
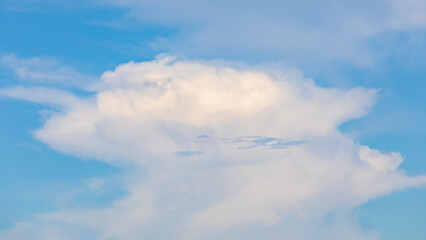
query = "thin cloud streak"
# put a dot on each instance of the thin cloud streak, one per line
(45, 71)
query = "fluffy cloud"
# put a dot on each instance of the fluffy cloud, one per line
(219, 152)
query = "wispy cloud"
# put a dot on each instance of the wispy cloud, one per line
(45, 70)
(301, 33)
(257, 149)
(42, 95)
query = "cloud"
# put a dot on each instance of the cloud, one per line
(305, 34)
(301, 33)
(42, 95)
(409, 14)
(44, 70)
(218, 152)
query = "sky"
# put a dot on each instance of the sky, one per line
(140, 119)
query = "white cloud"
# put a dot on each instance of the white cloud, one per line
(219, 152)
(45, 70)
(42, 95)
(380, 161)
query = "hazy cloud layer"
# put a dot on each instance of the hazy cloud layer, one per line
(219, 152)
(300, 32)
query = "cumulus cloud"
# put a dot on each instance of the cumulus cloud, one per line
(218, 152)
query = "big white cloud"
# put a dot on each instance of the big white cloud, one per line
(220, 152)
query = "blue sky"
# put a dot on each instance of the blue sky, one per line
(58, 50)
